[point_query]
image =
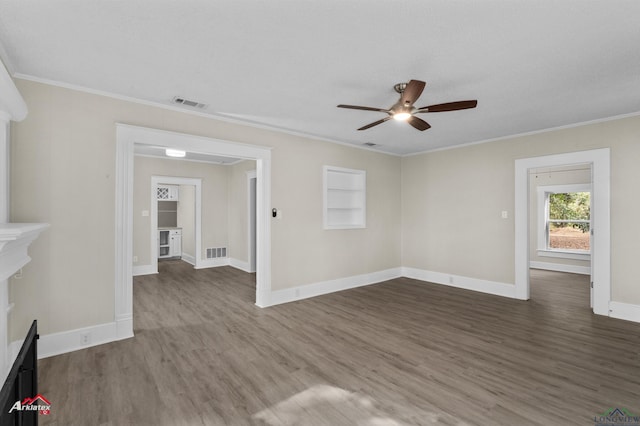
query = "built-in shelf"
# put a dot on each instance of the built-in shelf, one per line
(344, 198)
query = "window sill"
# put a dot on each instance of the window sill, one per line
(576, 255)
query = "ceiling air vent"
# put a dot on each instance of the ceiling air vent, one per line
(182, 101)
(370, 144)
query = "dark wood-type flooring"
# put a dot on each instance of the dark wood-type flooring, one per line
(401, 352)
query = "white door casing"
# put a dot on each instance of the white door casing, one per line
(126, 137)
(600, 216)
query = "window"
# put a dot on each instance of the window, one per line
(564, 225)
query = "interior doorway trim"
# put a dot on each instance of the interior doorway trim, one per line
(126, 137)
(171, 180)
(600, 216)
(251, 215)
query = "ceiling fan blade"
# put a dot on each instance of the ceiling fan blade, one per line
(375, 123)
(363, 108)
(418, 123)
(412, 92)
(449, 106)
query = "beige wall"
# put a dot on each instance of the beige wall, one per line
(214, 201)
(578, 174)
(238, 210)
(452, 200)
(62, 173)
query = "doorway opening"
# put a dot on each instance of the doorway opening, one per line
(176, 219)
(599, 222)
(560, 235)
(126, 137)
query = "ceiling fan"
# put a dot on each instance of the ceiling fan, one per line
(403, 110)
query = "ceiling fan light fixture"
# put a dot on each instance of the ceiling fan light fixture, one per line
(175, 153)
(403, 109)
(401, 116)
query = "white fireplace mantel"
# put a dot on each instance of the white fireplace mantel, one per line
(15, 239)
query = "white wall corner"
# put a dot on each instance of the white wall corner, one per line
(624, 311)
(324, 287)
(458, 281)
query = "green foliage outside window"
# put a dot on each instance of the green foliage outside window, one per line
(570, 206)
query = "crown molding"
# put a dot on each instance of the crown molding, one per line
(210, 115)
(533, 132)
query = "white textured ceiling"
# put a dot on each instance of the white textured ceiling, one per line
(532, 65)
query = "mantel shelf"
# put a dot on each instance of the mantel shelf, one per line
(15, 239)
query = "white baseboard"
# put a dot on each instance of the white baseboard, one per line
(625, 311)
(122, 328)
(143, 270)
(68, 341)
(212, 263)
(458, 281)
(189, 258)
(573, 269)
(240, 264)
(316, 289)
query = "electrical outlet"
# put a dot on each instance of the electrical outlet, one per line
(85, 338)
(450, 279)
(135, 259)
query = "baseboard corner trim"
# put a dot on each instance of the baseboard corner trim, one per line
(467, 283)
(560, 267)
(143, 270)
(306, 291)
(189, 258)
(240, 264)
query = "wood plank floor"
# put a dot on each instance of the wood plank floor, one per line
(401, 352)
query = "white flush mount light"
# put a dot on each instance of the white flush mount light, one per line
(174, 153)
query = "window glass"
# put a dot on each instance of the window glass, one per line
(569, 221)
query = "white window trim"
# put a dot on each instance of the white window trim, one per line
(543, 213)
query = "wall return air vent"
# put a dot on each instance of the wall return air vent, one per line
(216, 252)
(186, 102)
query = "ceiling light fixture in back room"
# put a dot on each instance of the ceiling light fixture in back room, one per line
(175, 153)
(403, 110)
